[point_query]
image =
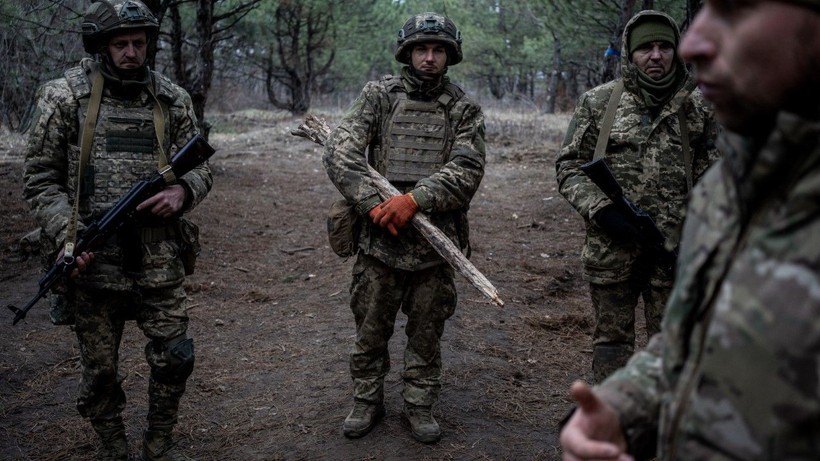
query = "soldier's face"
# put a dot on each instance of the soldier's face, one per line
(127, 50)
(754, 58)
(654, 58)
(430, 58)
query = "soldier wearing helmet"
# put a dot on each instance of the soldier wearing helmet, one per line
(423, 134)
(104, 125)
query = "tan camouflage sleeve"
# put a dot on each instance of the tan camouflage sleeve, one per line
(47, 185)
(635, 393)
(344, 157)
(197, 182)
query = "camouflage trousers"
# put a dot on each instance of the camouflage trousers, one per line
(100, 318)
(428, 298)
(613, 339)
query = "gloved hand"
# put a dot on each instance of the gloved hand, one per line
(616, 224)
(395, 213)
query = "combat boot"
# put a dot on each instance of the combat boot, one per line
(423, 426)
(112, 437)
(607, 358)
(362, 419)
(158, 445)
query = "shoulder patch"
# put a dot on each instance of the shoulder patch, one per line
(166, 90)
(78, 82)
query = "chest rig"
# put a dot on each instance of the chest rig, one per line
(123, 146)
(418, 135)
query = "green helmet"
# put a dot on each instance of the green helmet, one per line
(429, 27)
(105, 17)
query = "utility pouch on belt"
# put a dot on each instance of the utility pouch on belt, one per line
(188, 244)
(343, 224)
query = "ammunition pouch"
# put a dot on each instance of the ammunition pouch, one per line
(343, 225)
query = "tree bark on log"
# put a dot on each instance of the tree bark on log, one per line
(316, 130)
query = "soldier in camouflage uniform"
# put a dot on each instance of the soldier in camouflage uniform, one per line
(427, 138)
(734, 372)
(658, 102)
(138, 274)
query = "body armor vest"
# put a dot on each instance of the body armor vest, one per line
(123, 149)
(122, 153)
(418, 136)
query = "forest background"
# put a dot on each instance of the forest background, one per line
(294, 55)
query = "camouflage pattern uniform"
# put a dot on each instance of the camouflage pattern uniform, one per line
(404, 272)
(137, 274)
(646, 156)
(734, 373)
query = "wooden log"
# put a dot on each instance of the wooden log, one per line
(317, 130)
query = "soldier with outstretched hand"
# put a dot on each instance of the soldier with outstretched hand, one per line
(421, 133)
(108, 123)
(733, 373)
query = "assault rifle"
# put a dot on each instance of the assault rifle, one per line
(195, 151)
(651, 238)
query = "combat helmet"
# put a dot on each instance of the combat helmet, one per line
(429, 27)
(105, 17)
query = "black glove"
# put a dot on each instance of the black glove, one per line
(616, 224)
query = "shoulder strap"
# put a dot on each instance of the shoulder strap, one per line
(451, 94)
(609, 118)
(86, 138)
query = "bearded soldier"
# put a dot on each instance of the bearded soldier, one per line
(426, 137)
(657, 134)
(106, 124)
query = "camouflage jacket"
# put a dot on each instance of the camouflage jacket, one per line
(645, 156)
(734, 373)
(445, 195)
(52, 157)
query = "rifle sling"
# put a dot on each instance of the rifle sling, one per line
(609, 119)
(86, 138)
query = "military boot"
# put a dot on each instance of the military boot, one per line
(423, 426)
(362, 418)
(606, 358)
(112, 437)
(158, 445)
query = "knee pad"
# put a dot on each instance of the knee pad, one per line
(174, 359)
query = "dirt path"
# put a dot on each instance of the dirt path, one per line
(272, 327)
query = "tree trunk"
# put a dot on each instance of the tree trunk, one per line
(555, 75)
(611, 69)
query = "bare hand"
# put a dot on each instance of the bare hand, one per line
(166, 203)
(594, 431)
(82, 261)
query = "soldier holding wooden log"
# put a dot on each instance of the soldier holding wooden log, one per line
(427, 138)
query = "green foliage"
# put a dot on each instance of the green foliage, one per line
(510, 46)
(38, 41)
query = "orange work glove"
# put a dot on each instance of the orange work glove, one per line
(395, 213)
